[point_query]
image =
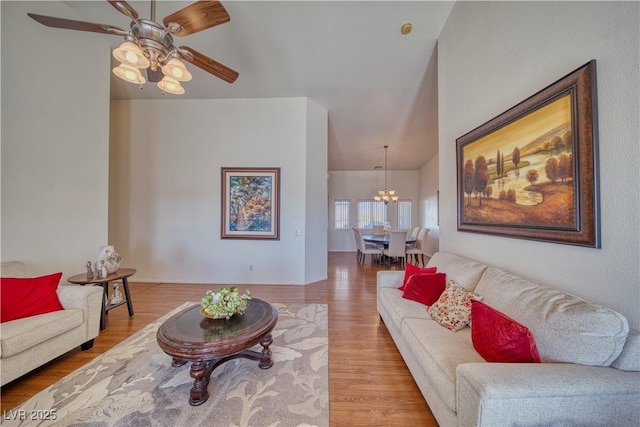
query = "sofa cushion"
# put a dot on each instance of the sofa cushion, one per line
(453, 308)
(399, 308)
(629, 359)
(21, 334)
(439, 351)
(464, 271)
(425, 288)
(499, 338)
(566, 328)
(411, 269)
(23, 297)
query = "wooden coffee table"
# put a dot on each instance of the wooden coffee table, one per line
(207, 343)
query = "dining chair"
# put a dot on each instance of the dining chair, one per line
(397, 246)
(356, 235)
(415, 231)
(418, 250)
(414, 236)
(365, 248)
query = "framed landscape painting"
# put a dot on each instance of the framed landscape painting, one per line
(532, 172)
(250, 203)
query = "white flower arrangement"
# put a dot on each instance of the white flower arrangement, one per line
(224, 303)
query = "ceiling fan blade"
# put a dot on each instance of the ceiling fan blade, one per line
(207, 64)
(70, 24)
(124, 8)
(197, 16)
(154, 76)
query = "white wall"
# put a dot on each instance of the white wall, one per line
(429, 195)
(363, 185)
(316, 193)
(55, 130)
(494, 55)
(165, 208)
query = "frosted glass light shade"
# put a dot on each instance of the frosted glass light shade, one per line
(129, 53)
(169, 85)
(129, 73)
(176, 70)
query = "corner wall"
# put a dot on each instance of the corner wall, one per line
(55, 141)
(493, 55)
(429, 200)
(166, 160)
(316, 193)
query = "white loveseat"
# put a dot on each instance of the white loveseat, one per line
(30, 342)
(589, 373)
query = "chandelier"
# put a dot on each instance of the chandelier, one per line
(385, 195)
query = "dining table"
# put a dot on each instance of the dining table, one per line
(384, 239)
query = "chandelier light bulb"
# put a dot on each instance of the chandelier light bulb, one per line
(130, 54)
(129, 74)
(169, 85)
(132, 58)
(176, 70)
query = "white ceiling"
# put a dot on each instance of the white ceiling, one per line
(379, 86)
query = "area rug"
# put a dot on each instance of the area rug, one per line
(134, 384)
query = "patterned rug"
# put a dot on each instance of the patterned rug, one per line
(134, 384)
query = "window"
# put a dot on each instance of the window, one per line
(404, 214)
(341, 214)
(371, 213)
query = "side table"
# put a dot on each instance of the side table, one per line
(121, 274)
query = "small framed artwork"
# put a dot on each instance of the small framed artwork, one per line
(532, 172)
(250, 203)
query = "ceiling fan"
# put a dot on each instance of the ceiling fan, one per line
(150, 45)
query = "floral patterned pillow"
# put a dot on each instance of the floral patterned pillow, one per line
(453, 308)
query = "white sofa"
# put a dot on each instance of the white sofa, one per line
(28, 343)
(589, 373)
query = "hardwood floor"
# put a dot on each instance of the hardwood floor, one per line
(369, 384)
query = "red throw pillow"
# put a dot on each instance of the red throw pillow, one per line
(499, 338)
(411, 269)
(425, 288)
(23, 297)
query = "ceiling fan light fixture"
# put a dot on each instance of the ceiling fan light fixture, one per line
(130, 54)
(177, 70)
(129, 74)
(170, 85)
(149, 45)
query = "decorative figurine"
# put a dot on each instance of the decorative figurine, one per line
(102, 272)
(117, 296)
(89, 271)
